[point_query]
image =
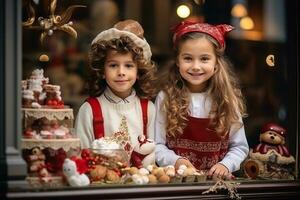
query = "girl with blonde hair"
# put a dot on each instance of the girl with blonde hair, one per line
(200, 108)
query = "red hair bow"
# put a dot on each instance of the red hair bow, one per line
(217, 32)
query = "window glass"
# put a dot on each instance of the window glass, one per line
(259, 49)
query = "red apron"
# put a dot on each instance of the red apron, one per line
(200, 145)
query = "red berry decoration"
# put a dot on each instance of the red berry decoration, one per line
(50, 102)
(54, 102)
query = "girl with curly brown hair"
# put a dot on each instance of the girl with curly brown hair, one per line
(200, 108)
(122, 73)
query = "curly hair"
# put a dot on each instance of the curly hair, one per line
(97, 56)
(223, 88)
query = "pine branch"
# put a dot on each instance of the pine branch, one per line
(227, 185)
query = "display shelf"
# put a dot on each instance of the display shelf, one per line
(247, 190)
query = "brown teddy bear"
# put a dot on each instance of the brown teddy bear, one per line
(36, 160)
(270, 158)
(37, 166)
(272, 138)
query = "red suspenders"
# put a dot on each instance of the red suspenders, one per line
(144, 104)
(98, 118)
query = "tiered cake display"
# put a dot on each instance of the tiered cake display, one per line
(47, 131)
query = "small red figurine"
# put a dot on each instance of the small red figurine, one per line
(270, 158)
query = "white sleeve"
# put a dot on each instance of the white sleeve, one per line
(238, 149)
(84, 125)
(163, 155)
(151, 120)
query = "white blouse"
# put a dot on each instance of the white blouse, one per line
(199, 107)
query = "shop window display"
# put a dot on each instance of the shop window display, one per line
(264, 86)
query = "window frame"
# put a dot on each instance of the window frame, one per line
(12, 91)
(11, 73)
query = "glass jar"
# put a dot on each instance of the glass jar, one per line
(105, 165)
(110, 157)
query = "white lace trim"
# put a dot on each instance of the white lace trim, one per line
(50, 114)
(66, 144)
(54, 181)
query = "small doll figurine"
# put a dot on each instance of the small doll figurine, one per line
(270, 158)
(37, 164)
(143, 153)
(36, 160)
(272, 138)
(73, 175)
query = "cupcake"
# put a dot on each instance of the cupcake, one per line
(46, 134)
(29, 133)
(60, 134)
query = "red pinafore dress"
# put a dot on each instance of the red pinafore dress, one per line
(199, 144)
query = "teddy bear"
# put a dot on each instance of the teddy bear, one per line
(37, 164)
(73, 176)
(270, 158)
(143, 153)
(36, 160)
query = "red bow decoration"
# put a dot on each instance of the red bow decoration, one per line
(82, 165)
(217, 32)
(142, 140)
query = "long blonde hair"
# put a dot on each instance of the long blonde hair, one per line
(223, 88)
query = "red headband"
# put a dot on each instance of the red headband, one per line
(217, 32)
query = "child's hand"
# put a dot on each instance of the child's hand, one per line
(219, 171)
(183, 161)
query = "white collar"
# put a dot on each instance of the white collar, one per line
(111, 97)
